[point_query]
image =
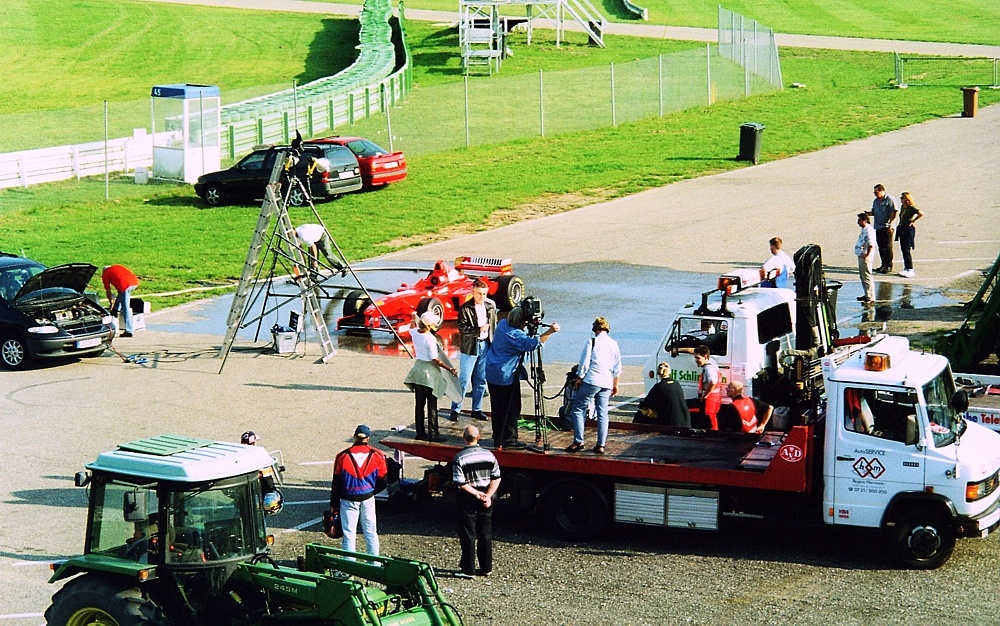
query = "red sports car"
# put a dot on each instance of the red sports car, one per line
(378, 166)
(442, 291)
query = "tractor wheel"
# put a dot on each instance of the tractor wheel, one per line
(13, 352)
(214, 196)
(923, 539)
(95, 600)
(510, 290)
(431, 304)
(575, 510)
(356, 302)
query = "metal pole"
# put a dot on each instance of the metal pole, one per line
(541, 102)
(614, 113)
(201, 122)
(388, 124)
(659, 62)
(295, 102)
(467, 111)
(746, 74)
(708, 70)
(107, 182)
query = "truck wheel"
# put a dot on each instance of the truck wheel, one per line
(923, 539)
(93, 600)
(356, 302)
(13, 352)
(575, 510)
(510, 291)
(431, 304)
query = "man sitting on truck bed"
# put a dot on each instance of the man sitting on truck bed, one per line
(747, 415)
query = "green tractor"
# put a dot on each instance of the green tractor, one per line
(176, 536)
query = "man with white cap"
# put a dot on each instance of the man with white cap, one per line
(426, 378)
(358, 474)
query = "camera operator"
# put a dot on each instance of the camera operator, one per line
(505, 370)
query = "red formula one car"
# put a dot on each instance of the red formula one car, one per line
(442, 291)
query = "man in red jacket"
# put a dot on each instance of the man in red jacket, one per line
(358, 474)
(124, 281)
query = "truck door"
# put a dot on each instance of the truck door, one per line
(875, 455)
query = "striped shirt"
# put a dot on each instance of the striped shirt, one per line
(475, 465)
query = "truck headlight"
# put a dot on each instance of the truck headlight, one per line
(44, 330)
(979, 490)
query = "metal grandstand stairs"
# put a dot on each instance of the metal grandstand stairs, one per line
(282, 243)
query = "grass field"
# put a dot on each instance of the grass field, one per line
(174, 243)
(958, 21)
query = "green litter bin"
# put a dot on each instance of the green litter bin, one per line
(750, 142)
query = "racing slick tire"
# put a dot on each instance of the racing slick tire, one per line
(923, 539)
(431, 304)
(100, 599)
(510, 291)
(356, 302)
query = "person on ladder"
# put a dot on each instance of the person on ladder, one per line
(319, 241)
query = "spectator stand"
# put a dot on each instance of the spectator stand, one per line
(482, 31)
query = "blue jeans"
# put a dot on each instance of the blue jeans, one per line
(472, 373)
(123, 303)
(350, 513)
(578, 411)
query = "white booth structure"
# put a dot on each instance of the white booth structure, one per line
(185, 123)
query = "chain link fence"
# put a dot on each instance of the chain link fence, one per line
(751, 44)
(498, 109)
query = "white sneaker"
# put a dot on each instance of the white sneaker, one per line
(908, 273)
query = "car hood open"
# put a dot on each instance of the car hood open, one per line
(71, 276)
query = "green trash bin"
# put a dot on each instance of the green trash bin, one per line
(750, 142)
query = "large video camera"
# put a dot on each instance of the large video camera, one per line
(533, 314)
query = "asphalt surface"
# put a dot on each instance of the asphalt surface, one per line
(57, 418)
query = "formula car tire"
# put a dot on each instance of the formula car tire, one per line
(431, 304)
(510, 291)
(356, 302)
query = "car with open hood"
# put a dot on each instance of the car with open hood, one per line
(45, 312)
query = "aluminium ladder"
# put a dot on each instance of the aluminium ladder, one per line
(282, 242)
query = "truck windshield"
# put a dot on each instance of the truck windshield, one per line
(944, 423)
(691, 332)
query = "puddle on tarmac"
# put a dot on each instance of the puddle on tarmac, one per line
(639, 302)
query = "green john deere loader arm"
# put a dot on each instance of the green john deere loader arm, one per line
(320, 593)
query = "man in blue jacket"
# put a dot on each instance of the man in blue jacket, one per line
(504, 372)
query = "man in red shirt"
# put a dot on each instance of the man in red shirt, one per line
(358, 474)
(124, 281)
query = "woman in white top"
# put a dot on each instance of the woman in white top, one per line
(426, 378)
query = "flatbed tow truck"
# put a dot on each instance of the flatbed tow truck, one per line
(870, 438)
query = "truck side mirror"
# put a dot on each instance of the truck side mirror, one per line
(134, 506)
(960, 401)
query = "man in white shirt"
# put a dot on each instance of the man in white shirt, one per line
(318, 240)
(864, 249)
(779, 266)
(597, 373)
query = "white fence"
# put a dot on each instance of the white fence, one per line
(45, 165)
